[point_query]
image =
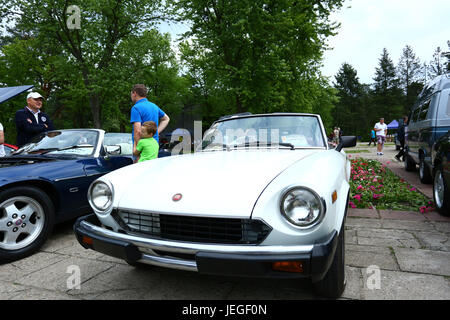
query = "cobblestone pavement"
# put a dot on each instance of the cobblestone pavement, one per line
(389, 255)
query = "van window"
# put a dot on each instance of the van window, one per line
(432, 111)
(415, 114)
(424, 110)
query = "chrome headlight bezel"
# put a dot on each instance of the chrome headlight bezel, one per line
(319, 202)
(107, 208)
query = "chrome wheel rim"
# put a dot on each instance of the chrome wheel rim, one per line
(438, 189)
(22, 220)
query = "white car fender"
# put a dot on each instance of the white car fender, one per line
(324, 172)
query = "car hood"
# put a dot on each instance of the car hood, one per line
(211, 183)
(19, 168)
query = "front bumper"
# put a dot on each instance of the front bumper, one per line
(233, 260)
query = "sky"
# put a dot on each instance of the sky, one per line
(368, 26)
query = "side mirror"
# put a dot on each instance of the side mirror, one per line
(346, 142)
(113, 150)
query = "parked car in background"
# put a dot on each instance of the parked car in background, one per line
(9, 148)
(263, 196)
(441, 174)
(46, 181)
(428, 121)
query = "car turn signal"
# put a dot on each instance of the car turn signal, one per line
(334, 196)
(288, 266)
(88, 241)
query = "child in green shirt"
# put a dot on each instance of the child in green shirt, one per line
(147, 147)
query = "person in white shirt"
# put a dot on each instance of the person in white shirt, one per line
(381, 131)
(2, 141)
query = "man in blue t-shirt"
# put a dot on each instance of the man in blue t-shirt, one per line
(144, 110)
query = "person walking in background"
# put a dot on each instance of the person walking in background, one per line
(401, 138)
(2, 141)
(143, 111)
(372, 137)
(30, 120)
(336, 136)
(381, 132)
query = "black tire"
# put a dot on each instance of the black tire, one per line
(441, 192)
(424, 172)
(333, 284)
(410, 165)
(26, 224)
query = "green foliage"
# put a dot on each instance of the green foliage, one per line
(86, 74)
(348, 113)
(257, 56)
(238, 56)
(409, 72)
(360, 106)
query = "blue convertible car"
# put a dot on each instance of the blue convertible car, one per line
(46, 181)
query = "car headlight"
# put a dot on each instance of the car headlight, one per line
(100, 196)
(302, 207)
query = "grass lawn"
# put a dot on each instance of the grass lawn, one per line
(372, 184)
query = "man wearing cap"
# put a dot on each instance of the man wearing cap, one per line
(30, 120)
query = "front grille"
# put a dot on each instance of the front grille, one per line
(193, 229)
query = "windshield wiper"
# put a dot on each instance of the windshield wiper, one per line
(67, 148)
(258, 143)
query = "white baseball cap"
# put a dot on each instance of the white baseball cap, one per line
(34, 95)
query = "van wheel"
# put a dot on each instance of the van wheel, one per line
(424, 173)
(410, 165)
(441, 192)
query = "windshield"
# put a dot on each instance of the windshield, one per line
(293, 131)
(124, 140)
(77, 142)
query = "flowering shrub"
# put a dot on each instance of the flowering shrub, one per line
(372, 184)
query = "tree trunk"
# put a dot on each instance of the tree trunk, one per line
(94, 100)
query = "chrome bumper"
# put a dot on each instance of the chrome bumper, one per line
(200, 257)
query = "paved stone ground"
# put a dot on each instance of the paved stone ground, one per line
(389, 255)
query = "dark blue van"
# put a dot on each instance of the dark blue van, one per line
(428, 121)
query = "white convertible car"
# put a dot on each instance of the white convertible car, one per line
(262, 196)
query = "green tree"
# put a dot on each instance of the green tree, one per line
(27, 60)
(385, 76)
(350, 114)
(409, 69)
(91, 46)
(437, 65)
(387, 94)
(86, 74)
(257, 56)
